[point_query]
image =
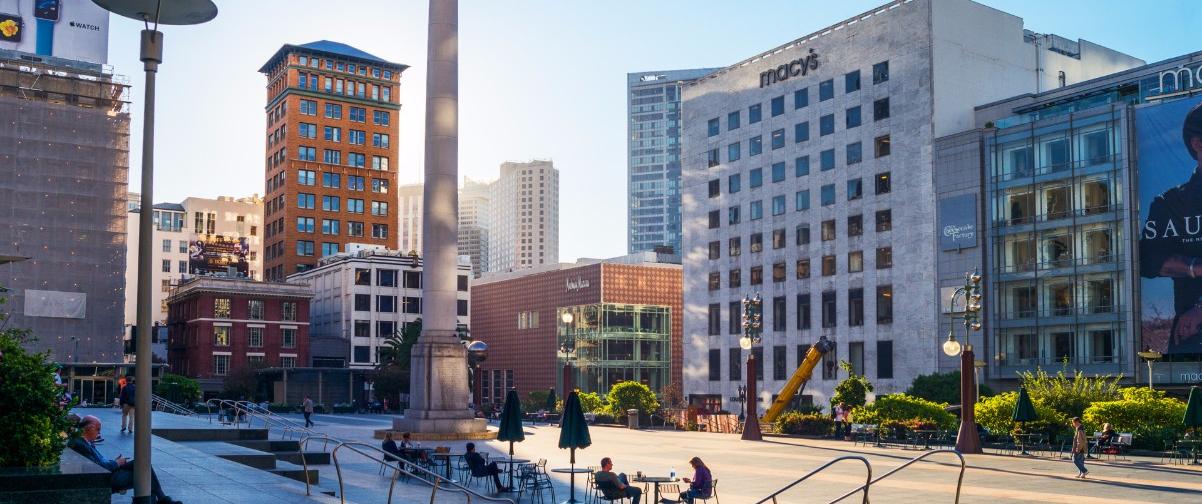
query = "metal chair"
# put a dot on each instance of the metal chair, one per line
(713, 493)
(599, 489)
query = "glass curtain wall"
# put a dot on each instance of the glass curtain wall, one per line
(607, 344)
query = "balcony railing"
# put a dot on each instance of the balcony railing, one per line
(1060, 311)
(1003, 222)
(1065, 261)
(1047, 169)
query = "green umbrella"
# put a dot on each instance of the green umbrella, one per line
(511, 425)
(1024, 411)
(1193, 409)
(573, 432)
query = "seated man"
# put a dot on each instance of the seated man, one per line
(122, 469)
(407, 450)
(615, 486)
(475, 462)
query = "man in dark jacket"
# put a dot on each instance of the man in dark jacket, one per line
(127, 404)
(475, 462)
(122, 469)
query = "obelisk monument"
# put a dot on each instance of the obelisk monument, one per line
(439, 392)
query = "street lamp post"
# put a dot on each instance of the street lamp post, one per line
(477, 352)
(175, 12)
(1150, 356)
(967, 440)
(753, 326)
(568, 348)
(742, 403)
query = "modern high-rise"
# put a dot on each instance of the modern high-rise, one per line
(474, 217)
(332, 126)
(524, 227)
(64, 168)
(807, 177)
(653, 158)
(409, 211)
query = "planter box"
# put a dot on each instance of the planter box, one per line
(76, 480)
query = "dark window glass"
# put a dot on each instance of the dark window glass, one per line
(778, 106)
(735, 363)
(803, 312)
(829, 312)
(780, 316)
(733, 152)
(755, 146)
(735, 248)
(803, 234)
(732, 120)
(753, 114)
(801, 98)
(828, 195)
(779, 367)
(778, 139)
(801, 132)
(801, 166)
(852, 117)
(715, 281)
(826, 90)
(880, 109)
(757, 275)
(715, 319)
(855, 189)
(826, 125)
(855, 153)
(884, 184)
(884, 304)
(715, 188)
(714, 127)
(778, 172)
(758, 352)
(884, 220)
(756, 177)
(855, 225)
(880, 72)
(884, 359)
(884, 258)
(855, 307)
(715, 364)
(715, 219)
(826, 160)
(735, 324)
(734, 183)
(881, 146)
(851, 82)
(715, 250)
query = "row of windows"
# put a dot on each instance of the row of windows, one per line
(356, 114)
(351, 68)
(308, 201)
(221, 363)
(779, 362)
(332, 156)
(855, 264)
(801, 201)
(334, 181)
(361, 90)
(254, 337)
(801, 131)
(776, 319)
(853, 154)
(254, 309)
(855, 227)
(801, 99)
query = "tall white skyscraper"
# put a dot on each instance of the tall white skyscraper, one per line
(409, 204)
(524, 227)
(474, 213)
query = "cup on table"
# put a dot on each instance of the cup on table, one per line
(638, 474)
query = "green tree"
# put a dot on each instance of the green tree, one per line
(178, 388)
(903, 408)
(941, 388)
(631, 395)
(242, 383)
(535, 401)
(396, 356)
(32, 422)
(390, 382)
(590, 402)
(853, 390)
(1150, 415)
(1070, 395)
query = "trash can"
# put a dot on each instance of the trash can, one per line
(632, 418)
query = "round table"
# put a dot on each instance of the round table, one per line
(1193, 444)
(510, 463)
(448, 456)
(1027, 439)
(656, 480)
(573, 471)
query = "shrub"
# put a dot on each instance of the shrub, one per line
(1070, 396)
(901, 408)
(535, 401)
(178, 389)
(796, 422)
(31, 421)
(941, 388)
(631, 395)
(604, 418)
(994, 414)
(1148, 414)
(810, 409)
(853, 390)
(590, 402)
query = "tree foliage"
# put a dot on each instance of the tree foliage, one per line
(903, 408)
(241, 383)
(535, 401)
(178, 388)
(809, 424)
(853, 390)
(1149, 414)
(391, 382)
(32, 421)
(672, 396)
(396, 357)
(631, 395)
(1070, 395)
(941, 388)
(590, 402)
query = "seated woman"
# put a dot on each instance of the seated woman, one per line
(1108, 437)
(389, 446)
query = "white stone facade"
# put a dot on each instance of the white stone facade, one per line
(943, 58)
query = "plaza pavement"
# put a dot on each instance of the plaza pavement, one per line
(746, 471)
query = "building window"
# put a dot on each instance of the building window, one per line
(855, 261)
(304, 248)
(166, 266)
(803, 234)
(288, 362)
(735, 363)
(734, 278)
(851, 82)
(714, 188)
(362, 302)
(715, 250)
(254, 337)
(778, 172)
(855, 225)
(803, 269)
(733, 152)
(826, 125)
(329, 249)
(801, 132)
(732, 215)
(828, 265)
(379, 231)
(379, 208)
(855, 356)
(828, 195)
(778, 139)
(884, 184)
(778, 272)
(855, 153)
(715, 280)
(182, 266)
(855, 189)
(735, 247)
(829, 312)
(254, 309)
(778, 205)
(712, 157)
(852, 117)
(855, 307)
(304, 224)
(753, 114)
(221, 336)
(826, 90)
(884, 304)
(715, 319)
(288, 311)
(221, 308)
(733, 183)
(329, 227)
(803, 312)
(801, 166)
(331, 180)
(884, 359)
(778, 362)
(880, 72)
(714, 127)
(732, 120)
(381, 117)
(884, 258)
(778, 238)
(221, 365)
(306, 201)
(715, 364)
(757, 210)
(333, 110)
(826, 160)
(801, 98)
(757, 242)
(881, 146)
(735, 324)
(778, 106)
(386, 304)
(880, 109)
(362, 276)
(715, 219)
(801, 200)
(755, 145)
(828, 230)
(884, 220)
(756, 177)
(757, 275)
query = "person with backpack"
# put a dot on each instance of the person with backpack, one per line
(126, 399)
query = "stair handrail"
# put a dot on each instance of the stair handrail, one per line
(170, 406)
(300, 449)
(407, 469)
(959, 481)
(242, 409)
(266, 413)
(865, 487)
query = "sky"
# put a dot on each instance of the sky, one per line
(538, 79)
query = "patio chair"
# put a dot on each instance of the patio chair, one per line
(529, 480)
(713, 493)
(591, 490)
(604, 490)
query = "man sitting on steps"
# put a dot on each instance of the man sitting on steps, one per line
(122, 469)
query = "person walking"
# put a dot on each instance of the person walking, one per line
(1080, 446)
(126, 398)
(308, 409)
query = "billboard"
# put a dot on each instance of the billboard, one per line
(69, 29)
(216, 254)
(1169, 137)
(958, 222)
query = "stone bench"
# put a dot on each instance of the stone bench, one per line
(76, 480)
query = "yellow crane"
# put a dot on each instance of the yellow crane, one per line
(802, 375)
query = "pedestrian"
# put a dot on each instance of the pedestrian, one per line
(127, 404)
(840, 419)
(307, 407)
(1080, 446)
(701, 485)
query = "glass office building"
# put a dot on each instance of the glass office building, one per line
(653, 160)
(609, 343)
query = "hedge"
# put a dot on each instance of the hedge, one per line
(903, 408)
(796, 422)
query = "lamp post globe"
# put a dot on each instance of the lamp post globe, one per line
(566, 318)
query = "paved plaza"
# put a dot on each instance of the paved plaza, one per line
(745, 471)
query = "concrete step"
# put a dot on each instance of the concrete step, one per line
(270, 445)
(234, 453)
(311, 457)
(209, 434)
(296, 472)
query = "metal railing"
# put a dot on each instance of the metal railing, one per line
(246, 411)
(435, 481)
(864, 488)
(158, 403)
(959, 480)
(300, 449)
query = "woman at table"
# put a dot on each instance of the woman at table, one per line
(1108, 436)
(389, 446)
(701, 485)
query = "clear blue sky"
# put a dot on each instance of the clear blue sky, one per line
(538, 79)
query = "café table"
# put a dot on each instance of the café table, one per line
(573, 471)
(925, 436)
(656, 480)
(510, 463)
(448, 456)
(1193, 446)
(1027, 439)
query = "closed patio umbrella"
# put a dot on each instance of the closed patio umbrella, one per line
(1193, 409)
(573, 433)
(511, 426)
(1024, 411)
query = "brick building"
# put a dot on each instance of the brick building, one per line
(217, 325)
(330, 174)
(621, 316)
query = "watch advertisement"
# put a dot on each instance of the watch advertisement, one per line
(1169, 136)
(68, 29)
(215, 254)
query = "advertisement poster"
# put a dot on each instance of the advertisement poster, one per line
(1169, 136)
(69, 29)
(216, 254)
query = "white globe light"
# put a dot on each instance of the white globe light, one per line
(566, 317)
(951, 348)
(745, 343)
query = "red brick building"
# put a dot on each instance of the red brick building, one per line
(333, 114)
(218, 325)
(624, 324)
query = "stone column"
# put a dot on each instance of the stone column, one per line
(439, 392)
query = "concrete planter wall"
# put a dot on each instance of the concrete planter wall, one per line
(76, 480)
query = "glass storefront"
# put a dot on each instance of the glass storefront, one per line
(611, 343)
